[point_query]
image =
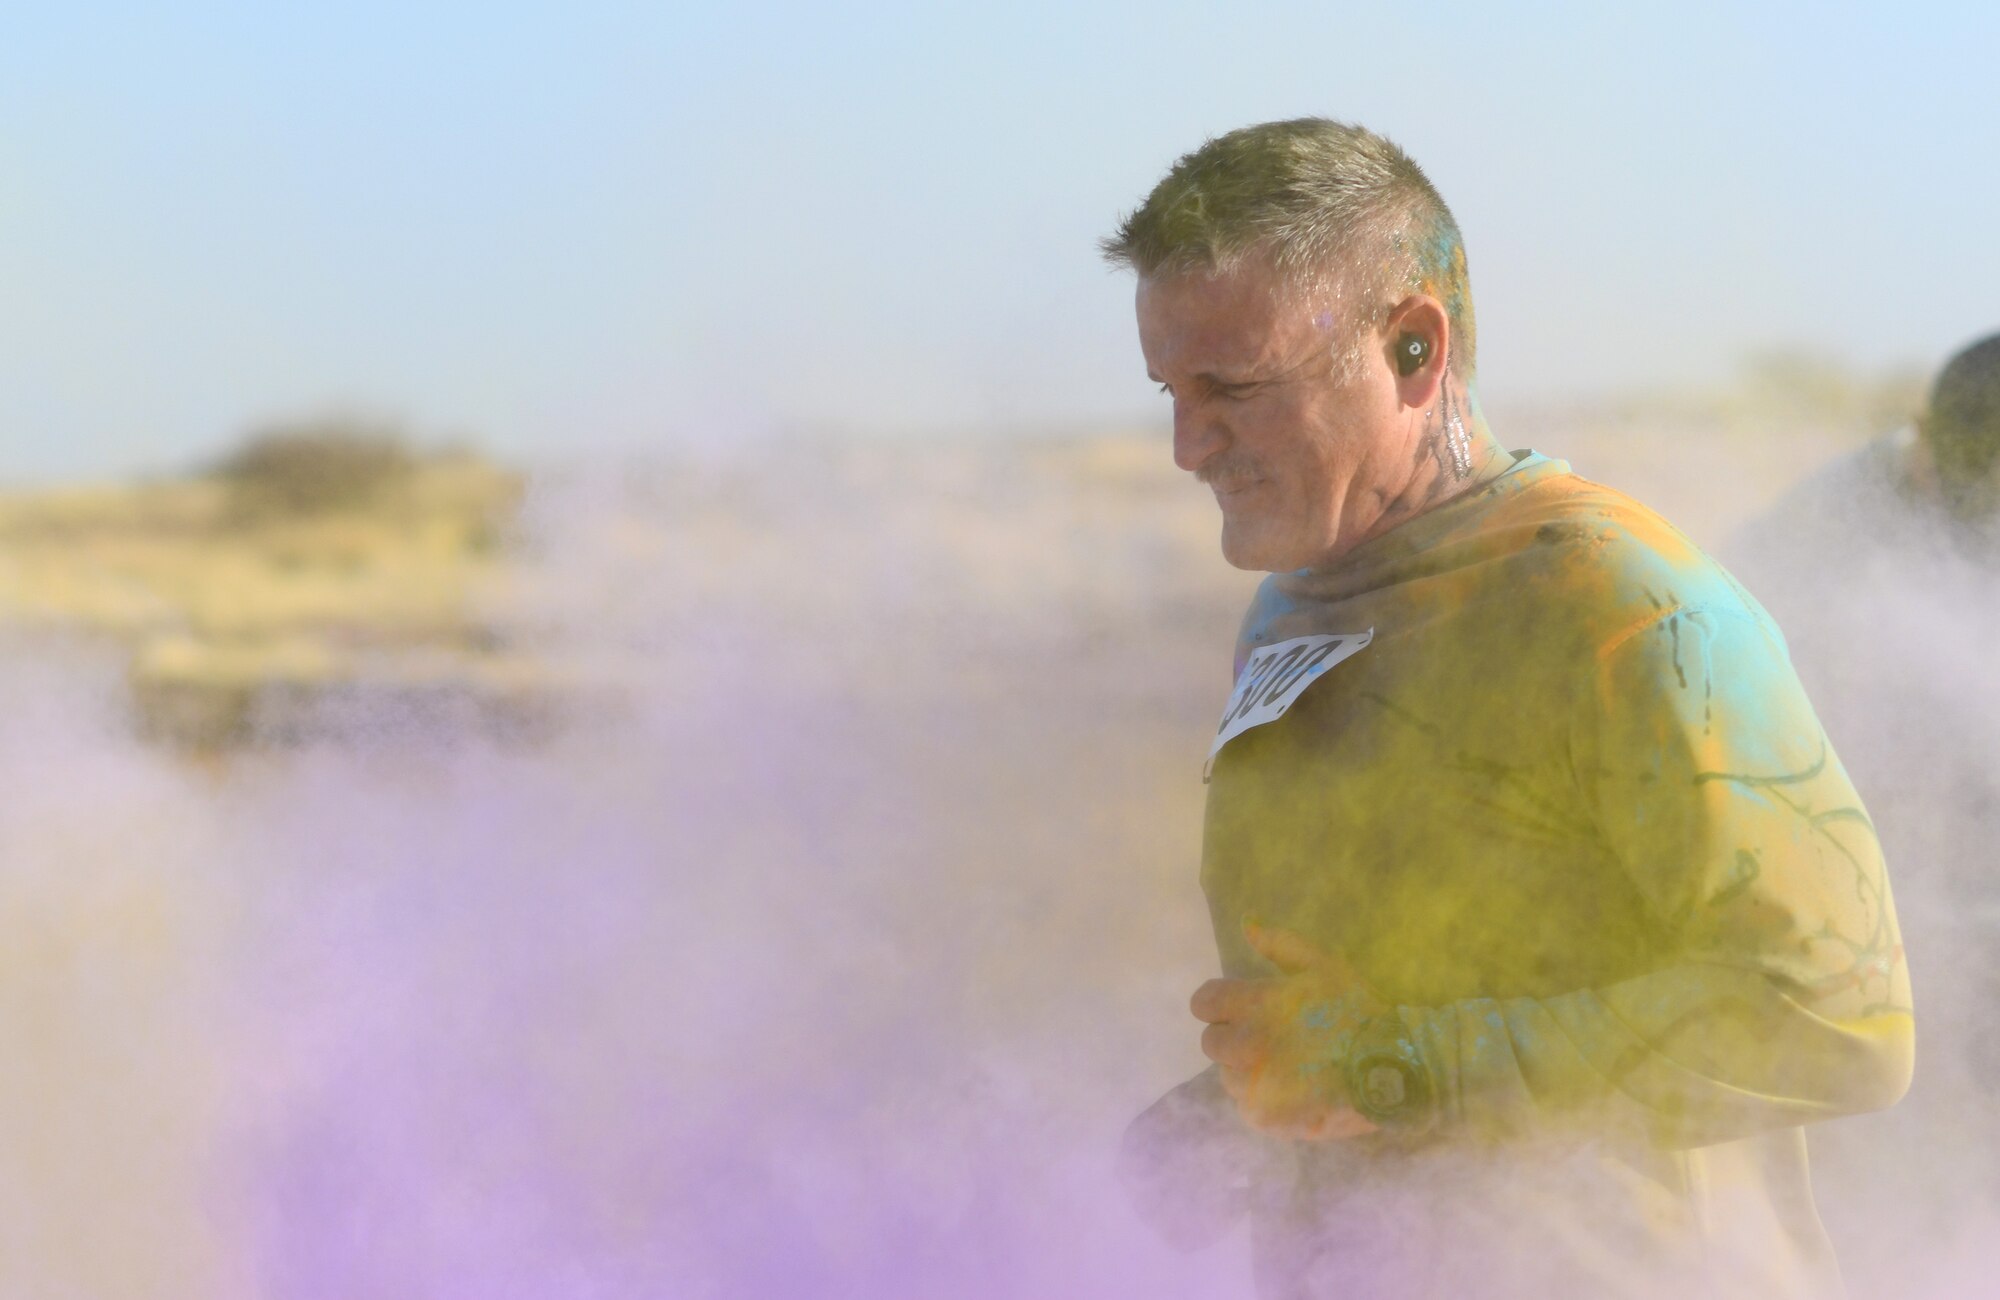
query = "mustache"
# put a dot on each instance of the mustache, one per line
(1229, 473)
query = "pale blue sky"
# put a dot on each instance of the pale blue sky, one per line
(602, 225)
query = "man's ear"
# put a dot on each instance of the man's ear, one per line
(1418, 337)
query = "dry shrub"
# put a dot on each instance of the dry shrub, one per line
(316, 466)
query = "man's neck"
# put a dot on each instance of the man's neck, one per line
(1461, 454)
(1489, 457)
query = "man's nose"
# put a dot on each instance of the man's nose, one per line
(1198, 435)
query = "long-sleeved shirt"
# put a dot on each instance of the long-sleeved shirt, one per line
(1891, 608)
(1568, 810)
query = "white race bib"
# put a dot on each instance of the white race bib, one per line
(1276, 675)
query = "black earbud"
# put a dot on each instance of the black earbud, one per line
(1411, 354)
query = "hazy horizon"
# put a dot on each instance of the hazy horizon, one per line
(621, 227)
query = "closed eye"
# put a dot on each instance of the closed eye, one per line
(1232, 392)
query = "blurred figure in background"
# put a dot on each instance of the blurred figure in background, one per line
(1546, 914)
(1929, 491)
(1884, 570)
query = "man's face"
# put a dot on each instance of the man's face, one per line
(1303, 458)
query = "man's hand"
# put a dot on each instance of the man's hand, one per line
(1188, 1162)
(1280, 1041)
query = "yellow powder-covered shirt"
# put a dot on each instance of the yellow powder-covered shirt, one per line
(1568, 810)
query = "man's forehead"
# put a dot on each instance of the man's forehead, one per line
(1220, 324)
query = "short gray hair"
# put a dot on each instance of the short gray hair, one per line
(1318, 198)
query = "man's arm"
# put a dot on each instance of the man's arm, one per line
(1787, 999)
(1689, 1056)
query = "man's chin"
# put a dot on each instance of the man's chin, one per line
(1266, 550)
(1249, 548)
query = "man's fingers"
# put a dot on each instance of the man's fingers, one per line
(1292, 953)
(1282, 1108)
(1269, 1106)
(1233, 1046)
(1326, 1122)
(1220, 1000)
(1340, 1123)
(1289, 951)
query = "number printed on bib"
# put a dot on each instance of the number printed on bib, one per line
(1276, 675)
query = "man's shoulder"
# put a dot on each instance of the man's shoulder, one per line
(1552, 560)
(1636, 597)
(1848, 511)
(1616, 555)
(1849, 527)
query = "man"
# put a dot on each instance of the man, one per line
(1547, 915)
(1927, 492)
(1885, 570)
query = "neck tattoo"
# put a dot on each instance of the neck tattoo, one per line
(1456, 439)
